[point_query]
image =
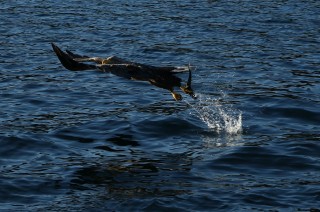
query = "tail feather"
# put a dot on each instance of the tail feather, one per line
(68, 62)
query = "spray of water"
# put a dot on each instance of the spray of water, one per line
(217, 115)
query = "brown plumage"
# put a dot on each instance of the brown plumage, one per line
(163, 77)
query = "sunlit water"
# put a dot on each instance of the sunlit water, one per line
(219, 117)
(90, 141)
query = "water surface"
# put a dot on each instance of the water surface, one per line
(87, 141)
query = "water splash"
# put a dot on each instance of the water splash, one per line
(217, 115)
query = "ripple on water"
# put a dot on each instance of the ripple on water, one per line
(82, 141)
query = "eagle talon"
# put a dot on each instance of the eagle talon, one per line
(188, 90)
(176, 96)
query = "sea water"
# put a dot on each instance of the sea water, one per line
(89, 141)
(218, 116)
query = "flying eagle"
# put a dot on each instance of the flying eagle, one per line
(163, 77)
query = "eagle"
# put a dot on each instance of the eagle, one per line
(161, 76)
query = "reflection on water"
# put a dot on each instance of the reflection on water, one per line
(226, 140)
(140, 174)
(112, 182)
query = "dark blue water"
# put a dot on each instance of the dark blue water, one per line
(88, 141)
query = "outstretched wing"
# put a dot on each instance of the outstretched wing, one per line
(69, 62)
(163, 76)
(82, 58)
(76, 56)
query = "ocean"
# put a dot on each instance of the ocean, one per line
(92, 141)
